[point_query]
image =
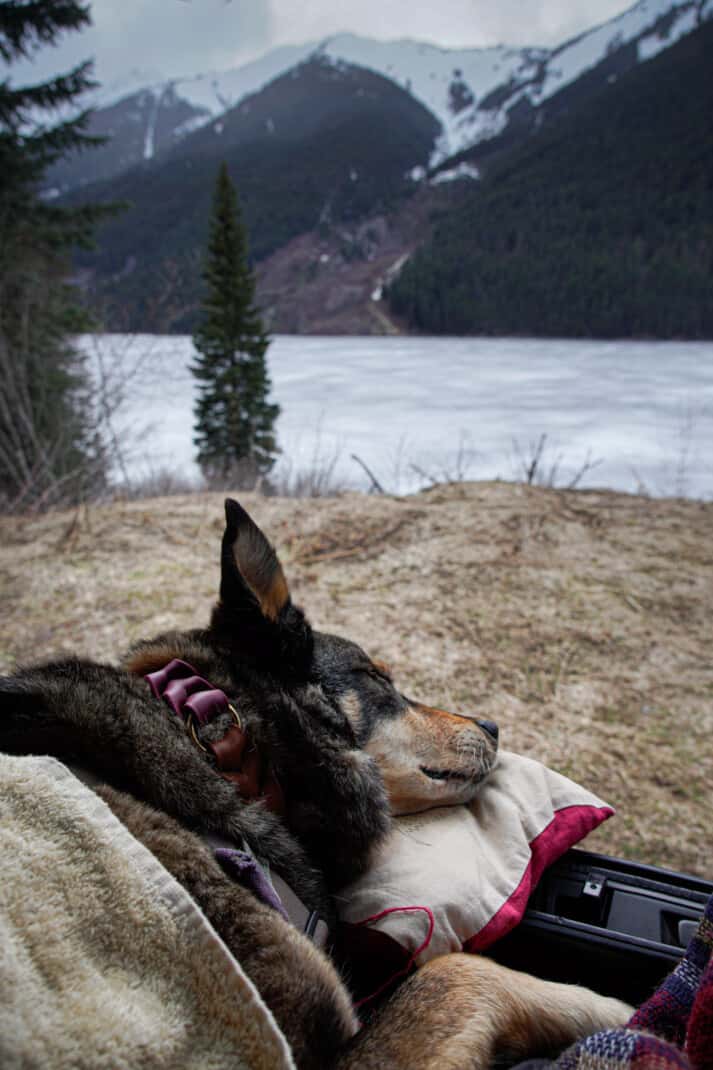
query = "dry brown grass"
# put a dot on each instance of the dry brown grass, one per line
(580, 621)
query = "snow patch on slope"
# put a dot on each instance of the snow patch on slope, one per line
(187, 127)
(430, 73)
(581, 54)
(648, 47)
(462, 170)
(149, 137)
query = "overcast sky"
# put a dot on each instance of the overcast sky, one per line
(174, 37)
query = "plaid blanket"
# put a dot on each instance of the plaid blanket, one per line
(673, 1030)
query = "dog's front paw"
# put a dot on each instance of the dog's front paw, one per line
(604, 1012)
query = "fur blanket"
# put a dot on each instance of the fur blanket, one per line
(105, 960)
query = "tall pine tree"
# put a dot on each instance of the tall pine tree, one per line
(49, 451)
(234, 428)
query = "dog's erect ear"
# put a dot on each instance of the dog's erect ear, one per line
(250, 571)
(255, 615)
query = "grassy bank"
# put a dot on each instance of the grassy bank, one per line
(579, 620)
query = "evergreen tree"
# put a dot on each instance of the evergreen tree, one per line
(234, 421)
(49, 451)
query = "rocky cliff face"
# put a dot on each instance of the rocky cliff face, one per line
(335, 281)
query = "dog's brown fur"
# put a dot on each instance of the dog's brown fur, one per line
(347, 746)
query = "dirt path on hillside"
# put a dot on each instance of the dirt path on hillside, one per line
(580, 621)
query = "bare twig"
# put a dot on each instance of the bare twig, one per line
(375, 484)
(587, 466)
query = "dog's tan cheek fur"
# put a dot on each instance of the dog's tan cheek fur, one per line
(406, 794)
(392, 742)
(394, 748)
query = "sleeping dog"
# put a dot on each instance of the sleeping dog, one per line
(288, 750)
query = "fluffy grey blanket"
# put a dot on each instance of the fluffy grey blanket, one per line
(105, 960)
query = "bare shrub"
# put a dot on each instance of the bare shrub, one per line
(34, 451)
(116, 364)
(318, 480)
(454, 470)
(674, 479)
(52, 452)
(536, 466)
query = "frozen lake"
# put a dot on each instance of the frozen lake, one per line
(419, 409)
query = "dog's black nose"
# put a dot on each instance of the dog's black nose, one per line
(491, 728)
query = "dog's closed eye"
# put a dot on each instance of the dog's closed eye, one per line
(377, 670)
(375, 674)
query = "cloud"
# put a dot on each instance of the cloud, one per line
(166, 38)
(451, 23)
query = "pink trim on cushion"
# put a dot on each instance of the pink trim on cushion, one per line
(568, 826)
(399, 973)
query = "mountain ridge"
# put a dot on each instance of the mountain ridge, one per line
(327, 158)
(471, 92)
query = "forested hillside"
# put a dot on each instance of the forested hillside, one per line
(320, 145)
(600, 225)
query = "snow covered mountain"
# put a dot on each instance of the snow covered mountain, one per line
(327, 155)
(474, 93)
(632, 37)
